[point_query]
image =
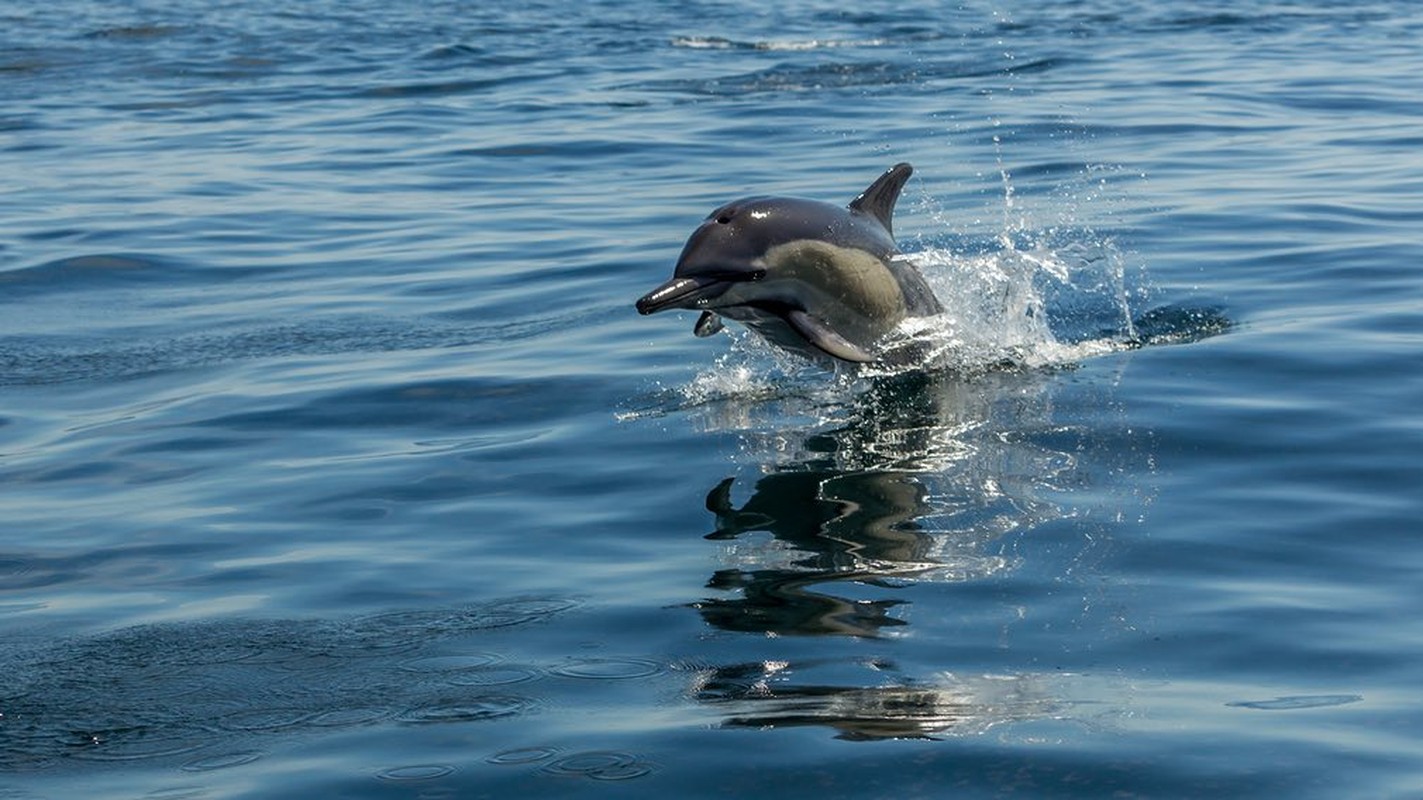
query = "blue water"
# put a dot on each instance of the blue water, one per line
(336, 462)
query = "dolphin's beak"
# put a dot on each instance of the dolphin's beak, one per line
(678, 293)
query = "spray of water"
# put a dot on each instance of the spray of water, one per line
(1016, 308)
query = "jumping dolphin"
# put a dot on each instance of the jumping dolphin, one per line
(811, 277)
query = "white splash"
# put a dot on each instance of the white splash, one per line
(783, 45)
(1015, 309)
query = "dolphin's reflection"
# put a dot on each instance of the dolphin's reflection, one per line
(921, 484)
(765, 695)
(847, 520)
(781, 603)
(827, 526)
(923, 479)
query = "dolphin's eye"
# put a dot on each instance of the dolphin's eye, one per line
(722, 219)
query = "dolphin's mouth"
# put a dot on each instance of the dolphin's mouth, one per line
(679, 293)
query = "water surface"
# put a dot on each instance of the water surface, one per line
(335, 460)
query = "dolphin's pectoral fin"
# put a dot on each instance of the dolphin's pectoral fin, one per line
(708, 324)
(825, 338)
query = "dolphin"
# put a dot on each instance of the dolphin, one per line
(820, 280)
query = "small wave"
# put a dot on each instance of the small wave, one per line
(722, 43)
(112, 271)
(48, 359)
(87, 270)
(791, 77)
(1298, 702)
(135, 32)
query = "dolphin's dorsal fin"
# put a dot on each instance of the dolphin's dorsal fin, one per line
(878, 200)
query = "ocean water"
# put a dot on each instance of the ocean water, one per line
(335, 460)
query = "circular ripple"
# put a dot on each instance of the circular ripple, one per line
(264, 719)
(609, 668)
(420, 625)
(495, 676)
(415, 772)
(621, 773)
(346, 717)
(606, 765)
(451, 663)
(591, 761)
(355, 644)
(468, 710)
(532, 609)
(222, 761)
(523, 755)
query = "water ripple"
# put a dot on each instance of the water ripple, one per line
(415, 772)
(222, 761)
(603, 765)
(169, 690)
(467, 709)
(609, 668)
(523, 755)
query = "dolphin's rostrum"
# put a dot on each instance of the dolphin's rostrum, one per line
(814, 278)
